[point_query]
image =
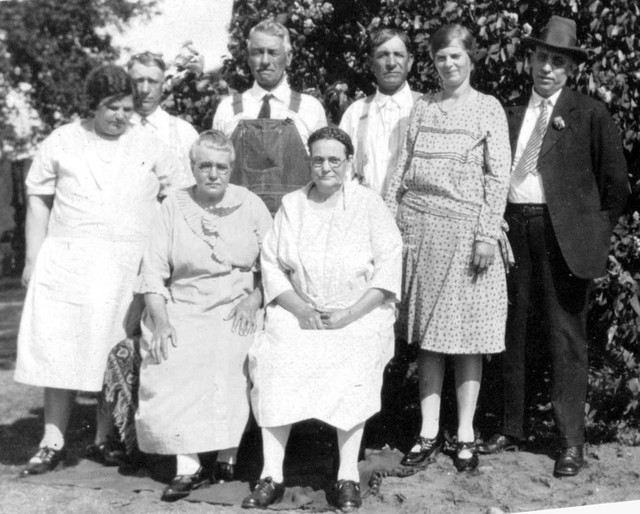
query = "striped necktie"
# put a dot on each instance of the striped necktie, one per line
(528, 162)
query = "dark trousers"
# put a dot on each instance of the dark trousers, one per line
(561, 300)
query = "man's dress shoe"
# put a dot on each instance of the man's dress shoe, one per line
(570, 461)
(498, 443)
(264, 494)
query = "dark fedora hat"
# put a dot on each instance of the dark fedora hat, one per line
(559, 35)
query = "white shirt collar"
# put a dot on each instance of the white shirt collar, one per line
(400, 97)
(155, 119)
(282, 92)
(536, 99)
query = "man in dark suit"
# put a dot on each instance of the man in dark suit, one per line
(568, 187)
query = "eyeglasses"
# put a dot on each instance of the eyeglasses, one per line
(334, 162)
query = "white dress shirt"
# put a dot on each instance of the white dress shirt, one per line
(387, 122)
(529, 189)
(176, 133)
(309, 118)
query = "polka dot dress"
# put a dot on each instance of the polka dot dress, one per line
(449, 191)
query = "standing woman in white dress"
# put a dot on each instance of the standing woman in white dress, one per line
(449, 192)
(92, 192)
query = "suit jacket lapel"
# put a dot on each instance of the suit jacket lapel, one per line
(515, 117)
(563, 109)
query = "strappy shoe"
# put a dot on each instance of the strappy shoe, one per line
(429, 448)
(465, 464)
(348, 495)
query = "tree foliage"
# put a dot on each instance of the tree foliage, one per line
(52, 46)
(330, 60)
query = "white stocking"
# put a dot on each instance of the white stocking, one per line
(349, 445)
(274, 443)
(187, 464)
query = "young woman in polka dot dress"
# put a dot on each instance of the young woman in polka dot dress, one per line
(449, 192)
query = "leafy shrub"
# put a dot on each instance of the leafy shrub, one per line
(329, 41)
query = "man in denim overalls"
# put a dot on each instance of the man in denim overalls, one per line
(269, 124)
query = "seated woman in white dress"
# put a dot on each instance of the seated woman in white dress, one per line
(331, 270)
(199, 277)
(92, 191)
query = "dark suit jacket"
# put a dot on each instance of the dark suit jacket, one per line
(584, 175)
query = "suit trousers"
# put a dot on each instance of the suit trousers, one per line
(561, 299)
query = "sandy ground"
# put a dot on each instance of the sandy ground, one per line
(510, 482)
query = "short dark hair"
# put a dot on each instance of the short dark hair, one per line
(148, 59)
(381, 36)
(447, 34)
(106, 81)
(332, 133)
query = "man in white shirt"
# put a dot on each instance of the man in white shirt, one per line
(377, 124)
(269, 124)
(568, 187)
(147, 71)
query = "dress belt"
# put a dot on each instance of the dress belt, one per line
(527, 210)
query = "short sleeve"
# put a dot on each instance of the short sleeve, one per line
(43, 173)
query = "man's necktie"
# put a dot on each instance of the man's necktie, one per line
(144, 121)
(528, 162)
(265, 110)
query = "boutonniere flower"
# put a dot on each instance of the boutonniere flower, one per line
(558, 123)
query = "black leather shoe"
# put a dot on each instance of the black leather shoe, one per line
(182, 485)
(49, 459)
(348, 495)
(428, 448)
(264, 494)
(498, 443)
(107, 453)
(570, 461)
(468, 464)
(224, 472)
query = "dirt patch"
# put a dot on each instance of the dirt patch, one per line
(512, 482)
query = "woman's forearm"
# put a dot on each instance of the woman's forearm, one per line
(38, 212)
(291, 301)
(157, 308)
(371, 299)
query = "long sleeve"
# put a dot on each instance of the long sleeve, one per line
(396, 188)
(349, 123)
(167, 168)
(610, 165)
(274, 276)
(223, 115)
(497, 167)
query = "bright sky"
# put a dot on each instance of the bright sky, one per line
(204, 22)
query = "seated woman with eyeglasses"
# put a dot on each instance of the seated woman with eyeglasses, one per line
(331, 270)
